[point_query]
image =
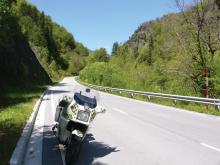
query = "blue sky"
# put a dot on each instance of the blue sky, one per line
(99, 23)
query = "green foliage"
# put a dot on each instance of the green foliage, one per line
(34, 47)
(77, 63)
(43, 53)
(54, 46)
(103, 74)
(6, 23)
(53, 66)
(16, 105)
(63, 39)
(169, 55)
(81, 50)
(215, 76)
(5, 6)
(99, 55)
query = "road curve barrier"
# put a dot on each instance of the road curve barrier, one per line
(174, 98)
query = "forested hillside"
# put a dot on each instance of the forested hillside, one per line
(33, 48)
(34, 51)
(169, 54)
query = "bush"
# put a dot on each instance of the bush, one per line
(102, 73)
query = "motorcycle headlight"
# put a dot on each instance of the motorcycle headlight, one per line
(83, 116)
(73, 108)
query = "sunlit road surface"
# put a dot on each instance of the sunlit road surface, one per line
(131, 132)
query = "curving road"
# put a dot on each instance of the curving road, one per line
(131, 132)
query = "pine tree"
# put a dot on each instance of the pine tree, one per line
(115, 48)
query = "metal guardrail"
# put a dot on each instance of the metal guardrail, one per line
(174, 98)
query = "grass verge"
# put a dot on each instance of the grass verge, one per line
(16, 105)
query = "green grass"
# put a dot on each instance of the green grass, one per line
(16, 105)
(201, 108)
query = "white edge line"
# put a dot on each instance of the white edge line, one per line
(52, 103)
(35, 145)
(211, 147)
(20, 150)
(118, 110)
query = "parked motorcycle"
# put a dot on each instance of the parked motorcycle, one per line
(73, 117)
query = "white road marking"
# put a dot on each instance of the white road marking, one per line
(53, 104)
(35, 144)
(211, 147)
(118, 110)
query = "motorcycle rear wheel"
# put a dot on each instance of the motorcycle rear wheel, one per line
(72, 152)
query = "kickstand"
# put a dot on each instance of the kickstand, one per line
(53, 129)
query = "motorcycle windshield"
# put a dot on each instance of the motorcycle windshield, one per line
(86, 96)
(82, 100)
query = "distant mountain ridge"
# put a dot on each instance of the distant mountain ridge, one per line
(182, 45)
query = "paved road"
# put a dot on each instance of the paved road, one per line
(131, 132)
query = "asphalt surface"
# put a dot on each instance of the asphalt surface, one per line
(131, 132)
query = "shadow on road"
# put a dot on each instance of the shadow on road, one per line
(51, 153)
(56, 91)
(61, 84)
(91, 149)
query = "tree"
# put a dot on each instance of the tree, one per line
(115, 48)
(81, 50)
(203, 29)
(99, 55)
(201, 21)
(5, 6)
(8, 24)
(150, 50)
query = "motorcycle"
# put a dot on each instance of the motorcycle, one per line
(73, 117)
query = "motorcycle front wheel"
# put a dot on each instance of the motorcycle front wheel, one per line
(72, 152)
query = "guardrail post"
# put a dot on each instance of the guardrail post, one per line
(120, 92)
(148, 98)
(217, 106)
(132, 95)
(174, 102)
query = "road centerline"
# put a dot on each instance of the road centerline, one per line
(120, 111)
